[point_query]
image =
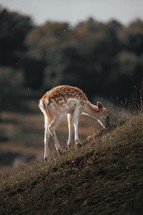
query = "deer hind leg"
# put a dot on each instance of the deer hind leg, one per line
(46, 139)
(70, 129)
(52, 127)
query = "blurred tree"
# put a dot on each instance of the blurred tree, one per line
(33, 72)
(126, 63)
(13, 30)
(98, 47)
(11, 82)
(125, 74)
(132, 37)
(47, 43)
(94, 56)
(114, 24)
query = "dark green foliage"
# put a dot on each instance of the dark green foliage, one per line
(13, 30)
(94, 56)
(33, 72)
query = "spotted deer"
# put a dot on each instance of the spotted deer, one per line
(69, 101)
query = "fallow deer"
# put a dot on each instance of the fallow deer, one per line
(69, 101)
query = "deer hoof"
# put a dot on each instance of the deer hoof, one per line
(60, 152)
(46, 159)
(77, 143)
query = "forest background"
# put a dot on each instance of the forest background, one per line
(103, 59)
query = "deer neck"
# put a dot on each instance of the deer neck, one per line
(91, 110)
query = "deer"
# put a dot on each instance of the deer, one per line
(68, 101)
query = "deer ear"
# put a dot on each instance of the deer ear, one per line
(99, 105)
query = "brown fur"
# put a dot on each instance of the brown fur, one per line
(61, 93)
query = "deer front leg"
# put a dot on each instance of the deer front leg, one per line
(70, 129)
(75, 120)
(76, 133)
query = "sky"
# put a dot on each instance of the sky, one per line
(74, 11)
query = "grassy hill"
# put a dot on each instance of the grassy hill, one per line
(103, 177)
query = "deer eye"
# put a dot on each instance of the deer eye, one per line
(107, 117)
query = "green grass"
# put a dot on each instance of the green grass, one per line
(103, 177)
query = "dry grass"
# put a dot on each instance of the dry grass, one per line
(102, 177)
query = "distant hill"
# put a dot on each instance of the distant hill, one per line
(103, 177)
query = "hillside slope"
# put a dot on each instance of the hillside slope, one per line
(104, 176)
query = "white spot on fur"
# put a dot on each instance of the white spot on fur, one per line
(46, 102)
